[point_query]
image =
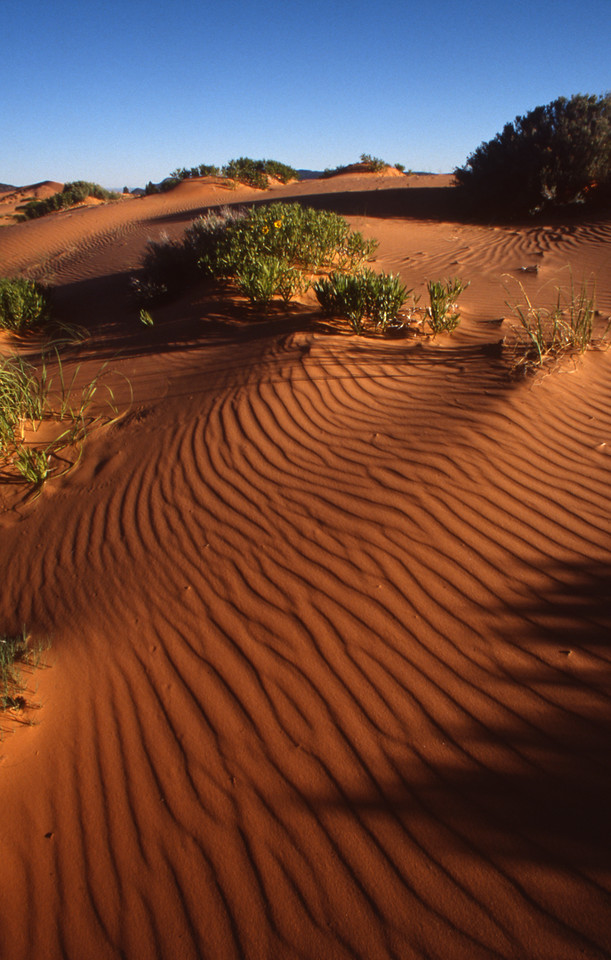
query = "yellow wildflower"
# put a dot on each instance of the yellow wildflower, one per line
(277, 224)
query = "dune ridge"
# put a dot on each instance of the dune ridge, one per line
(330, 664)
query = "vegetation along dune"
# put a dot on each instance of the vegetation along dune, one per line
(313, 574)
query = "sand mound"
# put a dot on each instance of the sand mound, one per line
(11, 200)
(330, 624)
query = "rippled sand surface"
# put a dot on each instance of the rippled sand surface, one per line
(330, 617)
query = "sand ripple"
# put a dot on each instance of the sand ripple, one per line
(328, 683)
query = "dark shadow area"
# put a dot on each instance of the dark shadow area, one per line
(557, 813)
(417, 203)
(215, 314)
(441, 204)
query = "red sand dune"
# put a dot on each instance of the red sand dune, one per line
(330, 620)
(11, 200)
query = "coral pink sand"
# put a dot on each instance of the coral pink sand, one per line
(330, 621)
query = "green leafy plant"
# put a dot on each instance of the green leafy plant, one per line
(260, 279)
(168, 266)
(355, 297)
(442, 315)
(385, 297)
(554, 155)
(23, 304)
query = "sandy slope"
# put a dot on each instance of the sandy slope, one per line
(330, 618)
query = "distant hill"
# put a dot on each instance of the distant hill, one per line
(310, 174)
(4, 187)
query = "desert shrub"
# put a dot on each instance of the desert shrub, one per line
(355, 297)
(385, 297)
(300, 236)
(23, 304)
(170, 265)
(442, 315)
(553, 155)
(281, 171)
(255, 173)
(72, 193)
(369, 164)
(343, 295)
(203, 170)
(265, 248)
(166, 269)
(373, 164)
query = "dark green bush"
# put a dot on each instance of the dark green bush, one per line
(188, 173)
(23, 304)
(72, 193)
(256, 173)
(554, 155)
(368, 164)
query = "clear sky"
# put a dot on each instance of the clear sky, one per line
(123, 91)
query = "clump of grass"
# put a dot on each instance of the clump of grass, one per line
(16, 652)
(442, 315)
(545, 334)
(30, 395)
(367, 294)
(24, 304)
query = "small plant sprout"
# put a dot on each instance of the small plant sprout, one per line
(442, 315)
(30, 395)
(18, 653)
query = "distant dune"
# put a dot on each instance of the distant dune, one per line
(330, 663)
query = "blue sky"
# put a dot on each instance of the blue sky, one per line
(124, 92)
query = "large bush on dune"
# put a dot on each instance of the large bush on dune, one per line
(554, 155)
(72, 193)
(256, 173)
